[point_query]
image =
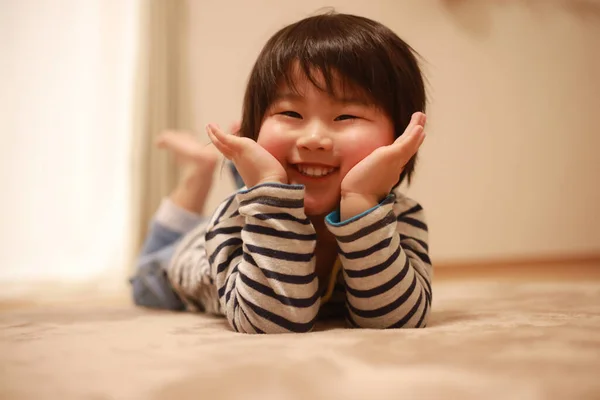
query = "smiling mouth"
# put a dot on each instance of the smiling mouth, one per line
(314, 171)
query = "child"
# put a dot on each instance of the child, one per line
(332, 121)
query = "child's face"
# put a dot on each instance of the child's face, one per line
(318, 139)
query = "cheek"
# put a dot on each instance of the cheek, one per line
(360, 144)
(272, 138)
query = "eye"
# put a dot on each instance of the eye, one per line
(291, 114)
(345, 117)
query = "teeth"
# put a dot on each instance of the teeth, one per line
(315, 171)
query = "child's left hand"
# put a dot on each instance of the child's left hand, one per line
(373, 178)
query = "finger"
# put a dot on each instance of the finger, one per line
(218, 144)
(404, 150)
(414, 139)
(233, 143)
(417, 119)
(422, 136)
(420, 118)
(227, 140)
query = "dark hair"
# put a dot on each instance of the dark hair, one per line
(364, 54)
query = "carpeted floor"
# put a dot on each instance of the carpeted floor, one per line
(492, 340)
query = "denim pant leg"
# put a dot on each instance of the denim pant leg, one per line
(151, 287)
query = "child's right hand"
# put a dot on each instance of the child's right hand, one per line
(254, 164)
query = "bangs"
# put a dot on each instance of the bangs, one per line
(326, 79)
(333, 55)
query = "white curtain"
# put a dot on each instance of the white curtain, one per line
(67, 73)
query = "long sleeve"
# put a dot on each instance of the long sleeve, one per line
(260, 248)
(386, 267)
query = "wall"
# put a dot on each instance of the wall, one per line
(65, 106)
(509, 168)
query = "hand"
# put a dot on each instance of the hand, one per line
(254, 164)
(374, 177)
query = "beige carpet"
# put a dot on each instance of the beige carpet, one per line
(492, 340)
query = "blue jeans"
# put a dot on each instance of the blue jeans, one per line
(151, 286)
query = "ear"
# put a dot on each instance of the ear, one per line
(235, 128)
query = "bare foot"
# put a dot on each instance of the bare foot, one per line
(198, 162)
(189, 152)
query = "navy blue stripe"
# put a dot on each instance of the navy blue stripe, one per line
(275, 202)
(279, 320)
(180, 277)
(263, 230)
(422, 256)
(408, 252)
(288, 301)
(223, 265)
(349, 318)
(413, 222)
(273, 185)
(281, 217)
(411, 210)
(365, 294)
(419, 241)
(256, 328)
(224, 287)
(362, 273)
(235, 307)
(378, 312)
(223, 231)
(379, 224)
(224, 209)
(279, 254)
(422, 319)
(353, 255)
(427, 284)
(195, 302)
(389, 199)
(409, 315)
(229, 242)
(281, 277)
(427, 291)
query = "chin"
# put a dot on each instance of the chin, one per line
(313, 208)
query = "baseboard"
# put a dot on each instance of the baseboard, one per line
(572, 266)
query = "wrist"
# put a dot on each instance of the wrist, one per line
(352, 204)
(272, 180)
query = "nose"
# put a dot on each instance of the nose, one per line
(315, 139)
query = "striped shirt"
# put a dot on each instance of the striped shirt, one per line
(254, 262)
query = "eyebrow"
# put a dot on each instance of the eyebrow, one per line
(291, 96)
